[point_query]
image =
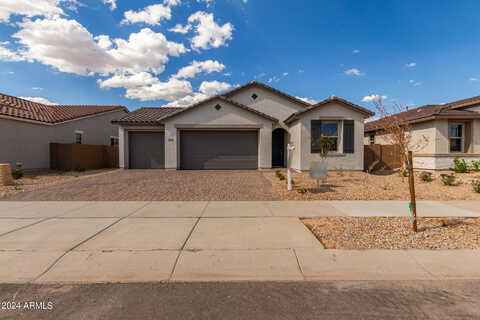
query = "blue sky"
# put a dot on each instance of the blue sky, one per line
(130, 53)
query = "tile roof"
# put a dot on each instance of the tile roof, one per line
(230, 93)
(157, 115)
(147, 115)
(349, 104)
(426, 112)
(48, 114)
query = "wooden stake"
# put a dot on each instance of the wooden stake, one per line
(413, 203)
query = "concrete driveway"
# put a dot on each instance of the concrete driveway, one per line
(141, 241)
(158, 185)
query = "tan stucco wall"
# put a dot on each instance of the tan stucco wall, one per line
(207, 117)
(338, 160)
(28, 143)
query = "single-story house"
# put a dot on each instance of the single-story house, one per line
(27, 128)
(248, 127)
(448, 130)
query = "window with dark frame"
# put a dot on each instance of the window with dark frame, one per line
(456, 137)
(372, 139)
(113, 141)
(78, 137)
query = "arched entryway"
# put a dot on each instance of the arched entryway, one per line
(278, 148)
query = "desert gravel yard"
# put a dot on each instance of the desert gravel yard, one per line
(157, 185)
(378, 186)
(41, 179)
(395, 233)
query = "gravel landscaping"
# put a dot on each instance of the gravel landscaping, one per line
(385, 185)
(158, 185)
(395, 233)
(40, 179)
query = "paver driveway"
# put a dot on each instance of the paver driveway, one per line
(158, 185)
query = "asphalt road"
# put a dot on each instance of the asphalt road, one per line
(253, 300)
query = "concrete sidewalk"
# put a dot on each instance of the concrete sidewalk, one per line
(209, 241)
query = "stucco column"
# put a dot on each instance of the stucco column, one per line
(122, 148)
(171, 146)
(265, 147)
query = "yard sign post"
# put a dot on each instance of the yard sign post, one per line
(290, 149)
(413, 204)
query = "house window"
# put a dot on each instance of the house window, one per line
(330, 131)
(456, 137)
(78, 137)
(114, 141)
(372, 139)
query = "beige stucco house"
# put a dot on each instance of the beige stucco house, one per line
(27, 128)
(443, 132)
(248, 127)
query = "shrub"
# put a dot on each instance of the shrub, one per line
(76, 175)
(405, 173)
(33, 177)
(79, 169)
(302, 190)
(426, 176)
(475, 165)
(476, 186)
(447, 179)
(279, 175)
(459, 165)
(60, 172)
(18, 172)
(340, 172)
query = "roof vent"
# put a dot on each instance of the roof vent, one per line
(332, 97)
(218, 107)
(254, 96)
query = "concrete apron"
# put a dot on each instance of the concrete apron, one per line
(78, 242)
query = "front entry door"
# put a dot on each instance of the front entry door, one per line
(278, 148)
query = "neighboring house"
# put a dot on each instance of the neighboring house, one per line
(248, 127)
(451, 129)
(27, 128)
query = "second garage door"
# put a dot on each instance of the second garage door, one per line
(147, 150)
(218, 150)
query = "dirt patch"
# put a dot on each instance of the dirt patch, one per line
(395, 233)
(386, 185)
(41, 179)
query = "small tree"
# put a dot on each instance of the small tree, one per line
(397, 131)
(325, 145)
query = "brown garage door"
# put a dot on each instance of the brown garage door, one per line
(146, 150)
(218, 150)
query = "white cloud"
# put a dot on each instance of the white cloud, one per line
(411, 64)
(260, 75)
(353, 71)
(37, 88)
(128, 81)
(228, 74)
(181, 29)
(301, 71)
(11, 72)
(69, 47)
(8, 55)
(29, 8)
(473, 79)
(373, 97)
(171, 3)
(195, 67)
(273, 79)
(414, 83)
(112, 3)
(171, 90)
(211, 88)
(308, 100)
(39, 100)
(151, 15)
(356, 51)
(285, 74)
(411, 81)
(187, 100)
(208, 33)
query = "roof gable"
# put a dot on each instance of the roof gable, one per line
(254, 83)
(348, 104)
(48, 114)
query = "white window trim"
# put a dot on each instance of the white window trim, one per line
(462, 143)
(338, 136)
